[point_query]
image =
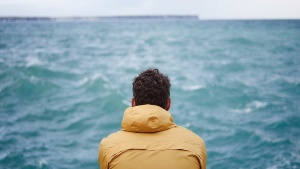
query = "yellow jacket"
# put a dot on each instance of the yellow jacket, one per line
(149, 139)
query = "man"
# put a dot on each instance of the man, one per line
(149, 138)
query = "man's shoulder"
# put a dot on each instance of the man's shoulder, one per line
(112, 138)
(175, 134)
(187, 134)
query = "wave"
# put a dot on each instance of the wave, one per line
(64, 87)
(90, 80)
(33, 61)
(252, 106)
(193, 87)
(267, 137)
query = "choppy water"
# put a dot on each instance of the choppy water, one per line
(64, 86)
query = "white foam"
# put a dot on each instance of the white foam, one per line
(81, 82)
(251, 107)
(88, 79)
(33, 61)
(95, 76)
(42, 162)
(258, 104)
(193, 87)
(3, 155)
(267, 137)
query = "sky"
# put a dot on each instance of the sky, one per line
(205, 9)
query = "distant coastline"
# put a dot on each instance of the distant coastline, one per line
(142, 17)
(134, 17)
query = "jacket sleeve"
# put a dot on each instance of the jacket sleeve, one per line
(101, 156)
(203, 155)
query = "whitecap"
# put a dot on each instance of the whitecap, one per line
(3, 155)
(89, 79)
(193, 87)
(264, 136)
(33, 61)
(257, 104)
(42, 162)
(81, 82)
(95, 76)
(251, 107)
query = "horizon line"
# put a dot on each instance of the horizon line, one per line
(190, 16)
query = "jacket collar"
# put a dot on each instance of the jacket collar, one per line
(146, 119)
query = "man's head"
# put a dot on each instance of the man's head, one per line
(151, 87)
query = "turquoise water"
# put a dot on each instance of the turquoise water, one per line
(64, 86)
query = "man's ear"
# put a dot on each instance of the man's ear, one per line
(168, 104)
(133, 102)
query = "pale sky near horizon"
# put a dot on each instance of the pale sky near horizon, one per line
(205, 9)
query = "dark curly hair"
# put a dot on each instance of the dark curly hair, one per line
(151, 87)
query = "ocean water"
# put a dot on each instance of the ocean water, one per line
(64, 86)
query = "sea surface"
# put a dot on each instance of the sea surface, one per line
(64, 86)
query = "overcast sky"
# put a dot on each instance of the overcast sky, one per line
(205, 9)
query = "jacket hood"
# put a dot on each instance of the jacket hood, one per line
(146, 119)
